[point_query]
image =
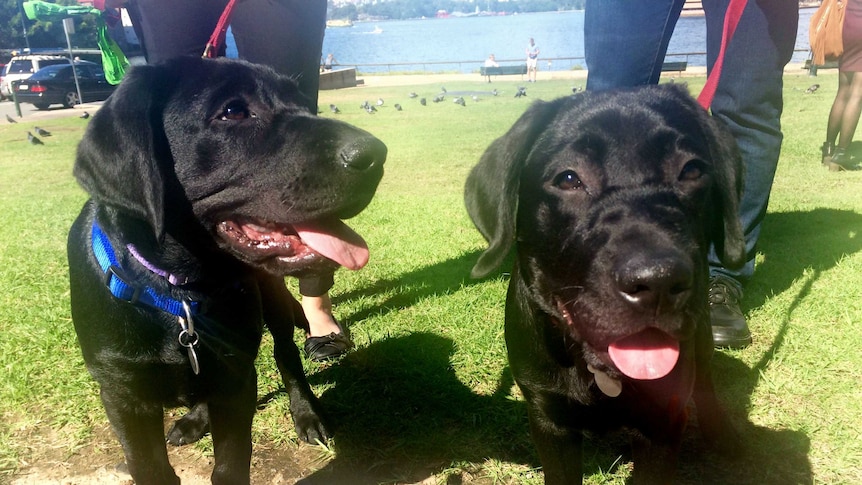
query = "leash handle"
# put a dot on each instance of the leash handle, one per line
(218, 36)
(731, 20)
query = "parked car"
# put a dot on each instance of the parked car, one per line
(22, 67)
(2, 77)
(56, 85)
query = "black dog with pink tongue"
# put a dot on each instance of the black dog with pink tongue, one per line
(611, 202)
(209, 182)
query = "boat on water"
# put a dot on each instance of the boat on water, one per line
(339, 23)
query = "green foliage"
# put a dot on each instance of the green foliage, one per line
(41, 34)
(409, 9)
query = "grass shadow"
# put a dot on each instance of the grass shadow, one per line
(796, 241)
(442, 278)
(425, 419)
(768, 456)
(795, 245)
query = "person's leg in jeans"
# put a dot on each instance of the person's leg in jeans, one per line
(171, 29)
(749, 101)
(625, 41)
(286, 35)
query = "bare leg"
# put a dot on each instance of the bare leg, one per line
(318, 311)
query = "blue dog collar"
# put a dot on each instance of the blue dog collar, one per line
(122, 287)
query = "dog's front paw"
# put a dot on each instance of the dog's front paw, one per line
(311, 428)
(190, 428)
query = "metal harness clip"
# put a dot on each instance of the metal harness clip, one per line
(188, 338)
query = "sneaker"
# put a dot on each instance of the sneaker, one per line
(729, 328)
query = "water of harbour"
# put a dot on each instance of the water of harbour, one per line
(460, 44)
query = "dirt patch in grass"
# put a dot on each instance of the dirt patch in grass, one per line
(100, 461)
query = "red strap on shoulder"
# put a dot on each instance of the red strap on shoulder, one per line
(220, 31)
(731, 20)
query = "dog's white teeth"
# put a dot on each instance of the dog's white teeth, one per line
(260, 229)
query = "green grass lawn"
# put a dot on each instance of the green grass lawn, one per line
(427, 391)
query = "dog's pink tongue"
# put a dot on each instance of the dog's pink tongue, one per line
(336, 241)
(646, 355)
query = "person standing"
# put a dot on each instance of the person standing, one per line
(844, 115)
(625, 44)
(532, 52)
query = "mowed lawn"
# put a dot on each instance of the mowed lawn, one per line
(427, 394)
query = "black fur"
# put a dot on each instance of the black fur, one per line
(610, 201)
(178, 149)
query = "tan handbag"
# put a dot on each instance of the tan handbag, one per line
(824, 32)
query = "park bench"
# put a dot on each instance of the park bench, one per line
(677, 66)
(489, 71)
(827, 65)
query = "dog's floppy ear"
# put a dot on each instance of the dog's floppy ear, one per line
(121, 159)
(491, 192)
(726, 227)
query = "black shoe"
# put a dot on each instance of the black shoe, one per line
(840, 161)
(826, 151)
(320, 349)
(729, 329)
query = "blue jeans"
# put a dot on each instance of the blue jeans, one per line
(625, 42)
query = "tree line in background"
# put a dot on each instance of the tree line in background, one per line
(412, 9)
(47, 34)
(41, 34)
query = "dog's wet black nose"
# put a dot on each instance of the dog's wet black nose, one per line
(363, 153)
(654, 282)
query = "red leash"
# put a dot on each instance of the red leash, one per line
(220, 31)
(731, 20)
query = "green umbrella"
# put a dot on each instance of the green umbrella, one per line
(113, 59)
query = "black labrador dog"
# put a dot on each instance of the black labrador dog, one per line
(611, 201)
(209, 181)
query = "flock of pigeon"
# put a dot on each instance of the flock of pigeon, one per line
(439, 98)
(35, 140)
(456, 97)
(368, 107)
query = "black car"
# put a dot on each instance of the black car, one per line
(56, 85)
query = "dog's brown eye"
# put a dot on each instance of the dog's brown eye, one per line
(692, 170)
(235, 110)
(568, 180)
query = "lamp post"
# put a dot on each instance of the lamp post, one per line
(69, 27)
(23, 26)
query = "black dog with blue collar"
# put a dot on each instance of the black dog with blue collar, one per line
(202, 176)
